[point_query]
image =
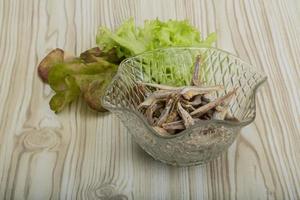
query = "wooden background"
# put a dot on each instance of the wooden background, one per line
(79, 154)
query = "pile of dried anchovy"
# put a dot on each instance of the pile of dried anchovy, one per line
(170, 110)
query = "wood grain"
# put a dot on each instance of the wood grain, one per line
(80, 154)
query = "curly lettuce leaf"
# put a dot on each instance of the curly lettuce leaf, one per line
(130, 40)
(87, 75)
(64, 97)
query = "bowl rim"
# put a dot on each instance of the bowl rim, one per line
(201, 122)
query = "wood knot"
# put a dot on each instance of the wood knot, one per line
(108, 192)
(43, 139)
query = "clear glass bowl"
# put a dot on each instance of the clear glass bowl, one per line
(205, 140)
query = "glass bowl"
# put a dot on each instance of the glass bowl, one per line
(203, 141)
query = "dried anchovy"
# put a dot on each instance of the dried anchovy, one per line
(172, 109)
(195, 79)
(151, 109)
(203, 109)
(165, 113)
(186, 117)
(173, 115)
(188, 107)
(161, 94)
(208, 98)
(191, 91)
(197, 101)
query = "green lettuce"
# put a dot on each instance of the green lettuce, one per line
(86, 76)
(129, 40)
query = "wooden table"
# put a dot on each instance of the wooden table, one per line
(79, 154)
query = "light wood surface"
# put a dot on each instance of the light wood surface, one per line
(79, 154)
